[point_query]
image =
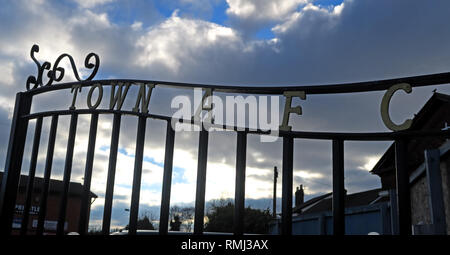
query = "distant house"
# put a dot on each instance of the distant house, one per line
(365, 212)
(54, 198)
(375, 210)
(324, 203)
(429, 186)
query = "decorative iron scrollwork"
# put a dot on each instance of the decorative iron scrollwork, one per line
(52, 74)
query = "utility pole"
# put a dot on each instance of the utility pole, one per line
(275, 177)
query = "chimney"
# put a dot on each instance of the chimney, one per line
(299, 196)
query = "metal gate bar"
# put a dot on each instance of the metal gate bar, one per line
(239, 197)
(403, 195)
(338, 188)
(31, 174)
(287, 182)
(201, 181)
(67, 173)
(13, 162)
(136, 189)
(47, 173)
(86, 196)
(111, 174)
(167, 180)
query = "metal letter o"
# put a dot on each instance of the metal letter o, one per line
(99, 98)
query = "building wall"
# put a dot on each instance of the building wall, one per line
(445, 173)
(72, 211)
(420, 205)
(420, 196)
(53, 201)
(358, 221)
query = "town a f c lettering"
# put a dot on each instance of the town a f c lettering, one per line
(119, 92)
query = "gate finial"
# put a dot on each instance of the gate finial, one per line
(51, 74)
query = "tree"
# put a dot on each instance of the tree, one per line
(144, 223)
(175, 223)
(181, 216)
(221, 217)
(96, 230)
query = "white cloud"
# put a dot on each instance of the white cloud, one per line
(310, 12)
(308, 174)
(93, 19)
(178, 39)
(92, 3)
(262, 9)
(137, 25)
(7, 73)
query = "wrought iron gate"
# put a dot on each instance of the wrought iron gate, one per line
(22, 116)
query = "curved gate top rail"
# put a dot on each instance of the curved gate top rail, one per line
(35, 85)
(367, 86)
(353, 87)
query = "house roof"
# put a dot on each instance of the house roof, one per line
(56, 186)
(311, 202)
(324, 203)
(424, 119)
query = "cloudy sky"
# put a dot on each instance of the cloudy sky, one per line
(234, 42)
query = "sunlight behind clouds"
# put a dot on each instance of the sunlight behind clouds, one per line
(371, 162)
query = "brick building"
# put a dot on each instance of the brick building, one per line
(54, 198)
